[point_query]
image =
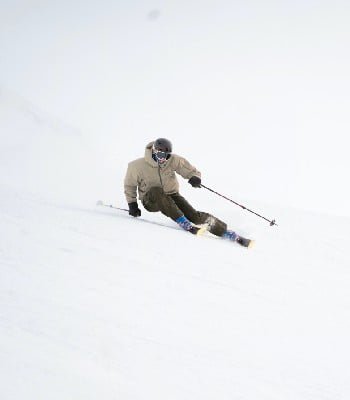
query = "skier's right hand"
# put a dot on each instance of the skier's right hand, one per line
(134, 209)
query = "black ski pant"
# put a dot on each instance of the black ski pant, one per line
(175, 206)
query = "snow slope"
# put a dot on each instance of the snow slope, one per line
(96, 304)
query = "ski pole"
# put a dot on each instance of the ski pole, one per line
(272, 222)
(101, 203)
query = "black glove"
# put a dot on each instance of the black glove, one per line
(134, 209)
(195, 181)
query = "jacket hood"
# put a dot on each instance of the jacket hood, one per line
(150, 145)
(148, 155)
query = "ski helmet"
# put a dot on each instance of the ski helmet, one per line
(163, 144)
(161, 150)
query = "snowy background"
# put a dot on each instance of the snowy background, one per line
(95, 304)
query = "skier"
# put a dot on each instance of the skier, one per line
(153, 177)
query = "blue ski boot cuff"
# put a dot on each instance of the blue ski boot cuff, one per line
(184, 223)
(231, 235)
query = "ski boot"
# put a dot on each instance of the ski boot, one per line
(231, 235)
(187, 226)
(244, 242)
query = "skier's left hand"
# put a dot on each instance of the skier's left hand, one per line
(195, 181)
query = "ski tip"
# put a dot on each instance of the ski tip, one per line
(251, 244)
(202, 230)
(198, 230)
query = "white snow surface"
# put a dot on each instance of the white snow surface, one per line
(95, 304)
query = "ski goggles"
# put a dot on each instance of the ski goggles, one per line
(161, 155)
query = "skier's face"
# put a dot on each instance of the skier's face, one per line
(160, 155)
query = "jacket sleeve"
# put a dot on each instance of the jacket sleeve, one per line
(130, 184)
(185, 169)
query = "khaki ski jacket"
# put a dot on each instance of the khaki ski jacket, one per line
(145, 173)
